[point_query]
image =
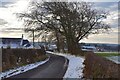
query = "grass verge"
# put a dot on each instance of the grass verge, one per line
(107, 54)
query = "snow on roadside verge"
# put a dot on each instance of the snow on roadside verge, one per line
(115, 59)
(22, 69)
(75, 66)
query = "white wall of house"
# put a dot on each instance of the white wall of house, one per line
(11, 45)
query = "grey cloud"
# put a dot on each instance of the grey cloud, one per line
(2, 22)
(8, 0)
(5, 3)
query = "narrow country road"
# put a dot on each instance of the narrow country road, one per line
(54, 68)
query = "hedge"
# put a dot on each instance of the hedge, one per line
(16, 57)
(100, 67)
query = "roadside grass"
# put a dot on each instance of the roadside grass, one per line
(107, 54)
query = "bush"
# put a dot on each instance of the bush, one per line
(99, 67)
(16, 57)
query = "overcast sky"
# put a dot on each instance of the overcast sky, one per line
(8, 19)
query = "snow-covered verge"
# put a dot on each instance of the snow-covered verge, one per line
(22, 69)
(75, 66)
(114, 59)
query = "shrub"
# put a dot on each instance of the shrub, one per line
(99, 67)
(10, 57)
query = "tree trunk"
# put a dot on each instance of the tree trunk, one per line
(73, 46)
(57, 42)
(60, 43)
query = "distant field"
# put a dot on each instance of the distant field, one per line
(108, 54)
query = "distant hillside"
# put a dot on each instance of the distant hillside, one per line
(100, 44)
(103, 46)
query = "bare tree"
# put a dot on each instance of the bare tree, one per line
(73, 20)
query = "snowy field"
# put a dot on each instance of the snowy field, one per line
(115, 59)
(75, 67)
(21, 69)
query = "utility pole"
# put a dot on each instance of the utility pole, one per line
(21, 43)
(33, 37)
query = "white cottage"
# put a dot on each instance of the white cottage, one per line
(13, 42)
